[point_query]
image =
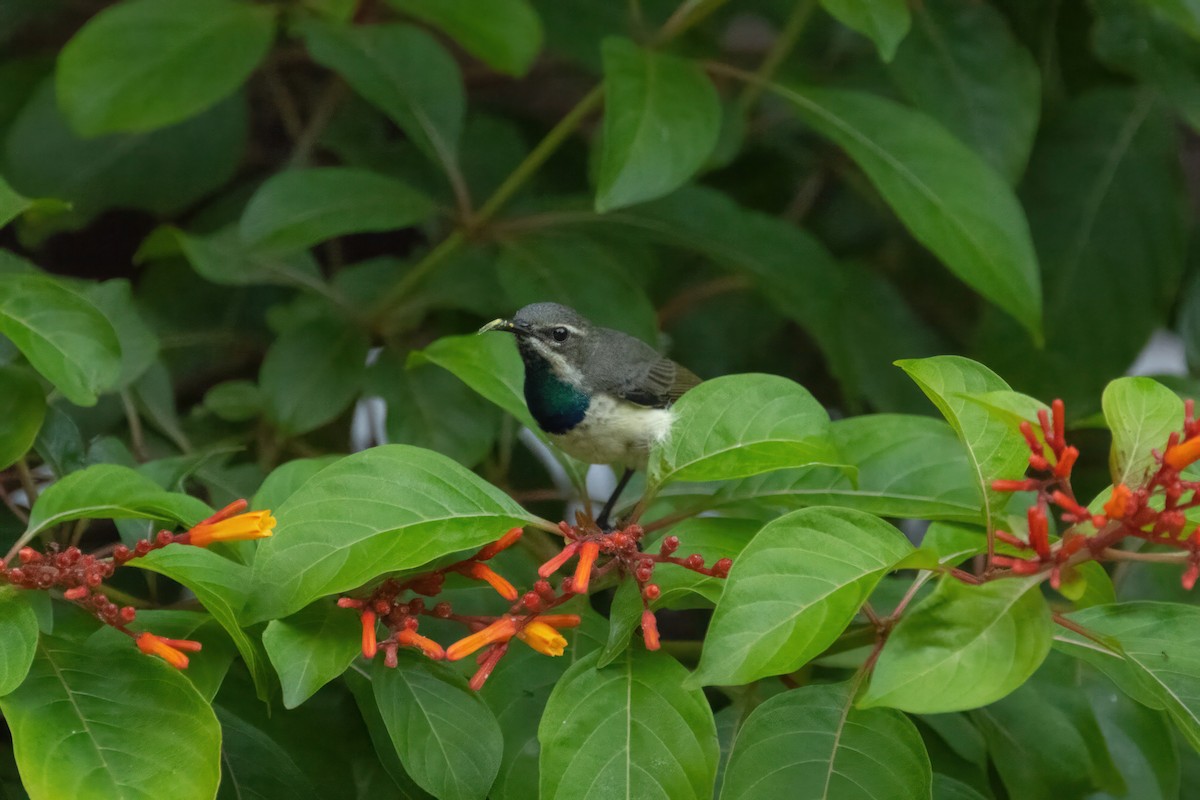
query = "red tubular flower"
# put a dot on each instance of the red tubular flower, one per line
(1003, 485)
(428, 646)
(486, 665)
(1039, 530)
(167, 649)
(650, 630)
(227, 526)
(560, 620)
(503, 543)
(1060, 421)
(583, 571)
(1180, 456)
(369, 645)
(1066, 462)
(501, 630)
(551, 566)
(482, 572)
(1190, 576)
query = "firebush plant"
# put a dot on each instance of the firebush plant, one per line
(275, 523)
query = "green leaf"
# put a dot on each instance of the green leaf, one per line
(234, 401)
(222, 587)
(109, 491)
(908, 466)
(1184, 14)
(1142, 414)
(628, 730)
(1103, 154)
(962, 647)
(963, 67)
(1154, 658)
(504, 34)
(995, 450)
(63, 334)
(143, 64)
(97, 724)
(403, 72)
(661, 121)
(299, 208)
(793, 590)
(740, 425)
(1139, 741)
(311, 648)
(359, 681)
(18, 638)
(713, 538)
(288, 477)
(812, 742)
(223, 258)
(429, 407)
(311, 373)
(579, 272)
(884, 22)
(162, 171)
(933, 182)
(22, 407)
(14, 204)
(947, 788)
(444, 733)
(138, 343)
(1050, 707)
(385, 509)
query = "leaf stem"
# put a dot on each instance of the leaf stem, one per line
(137, 437)
(779, 50)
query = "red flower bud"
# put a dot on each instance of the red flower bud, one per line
(650, 630)
(651, 592)
(722, 567)
(669, 545)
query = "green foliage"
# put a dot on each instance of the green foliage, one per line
(244, 248)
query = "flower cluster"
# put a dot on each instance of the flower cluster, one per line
(625, 557)
(1153, 511)
(80, 576)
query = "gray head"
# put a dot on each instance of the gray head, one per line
(548, 331)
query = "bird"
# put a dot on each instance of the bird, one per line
(601, 396)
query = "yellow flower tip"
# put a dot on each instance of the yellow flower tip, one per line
(1182, 455)
(543, 638)
(238, 528)
(501, 630)
(167, 649)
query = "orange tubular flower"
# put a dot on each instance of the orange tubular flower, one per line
(650, 630)
(501, 630)
(1118, 505)
(428, 646)
(583, 571)
(482, 572)
(167, 649)
(1180, 456)
(544, 638)
(369, 644)
(234, 528)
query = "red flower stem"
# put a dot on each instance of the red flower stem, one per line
(1086, 633)
(920, 580)
(871, 616)
(1111, 554)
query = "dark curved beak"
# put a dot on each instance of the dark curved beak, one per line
(503, 325)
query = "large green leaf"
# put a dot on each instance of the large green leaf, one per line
(962, 647)
(793, 590)
(995, 450)
(311, 373)
(22, 407)
(1104, 196)
(13, 204)
(1142, 414)
(109, 491)
(506, 34)
(627, 730)
(389, 508)
(221, 586)
(885, 22)
(63, 334)
(740, 425)
(1154, 657)
(100, 724)
(299, 208)
(933, 182)
(812, 743)
(162, 171)
(404, 73)
(963, 67)
(908, 466)
(311, 647)
(138, 343)
(1182, 13)
(143, 64)
(18, 638)
(429, 407)
(661, 121)
(1139, 741)
(358, 679)
(222, 257)
(444, 733)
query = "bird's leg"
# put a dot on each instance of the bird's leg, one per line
(602, 520)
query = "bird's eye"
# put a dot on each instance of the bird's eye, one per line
(560, 334)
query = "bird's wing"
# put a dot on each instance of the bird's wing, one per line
(661, 384)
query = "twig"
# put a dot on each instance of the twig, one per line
(137, 437)
(779, 51)
(307, 138)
